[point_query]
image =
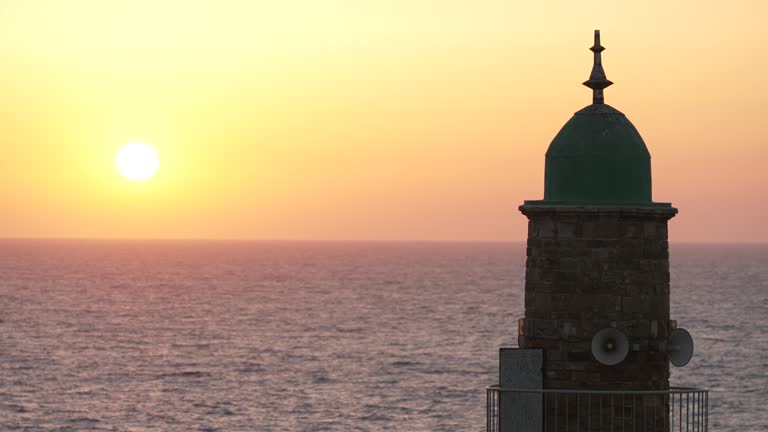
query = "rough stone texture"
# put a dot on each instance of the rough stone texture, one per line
(589, 268)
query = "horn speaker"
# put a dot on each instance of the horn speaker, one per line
(610, 346)
(679, 347)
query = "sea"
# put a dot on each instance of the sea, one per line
(318, 336)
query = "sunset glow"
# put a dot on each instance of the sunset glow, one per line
(391, 120)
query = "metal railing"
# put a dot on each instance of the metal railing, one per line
(679, 409)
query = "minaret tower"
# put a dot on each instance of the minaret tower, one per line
(598, 254)
(596, 282)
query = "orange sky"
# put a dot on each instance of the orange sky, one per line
(334, 119)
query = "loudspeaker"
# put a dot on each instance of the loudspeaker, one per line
(680, 347)
(610, 346)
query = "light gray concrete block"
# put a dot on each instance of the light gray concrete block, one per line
(520, 369)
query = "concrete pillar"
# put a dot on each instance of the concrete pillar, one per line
(520, 369)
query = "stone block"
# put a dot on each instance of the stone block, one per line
(661, 277)
(596, 243)
(629, 250)
(631, 230)
(578, 249)
(635, 304)
(533, 230)
(566, 230)
(570, 264)
(569, 329)
(659, 265)
(589, 229)
(569, 366)
(609, 276)
(556, 354)
(569, 276)
(534, 343)
(539, 286)
(659, 307)
(546, 228)
(571, 287)
(543, 302)
(555, 374)
(530, 300)
(662, 231)
(579, 356)
(549, 244)
(565, 315)
(650, 230)
(608, 227)
(604, 254)
(544, 329)
(584, 345)
(638, 328)
(579, 378)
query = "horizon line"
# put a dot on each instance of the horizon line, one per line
(299, 240)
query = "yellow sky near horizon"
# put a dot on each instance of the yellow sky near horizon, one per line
(341, 119)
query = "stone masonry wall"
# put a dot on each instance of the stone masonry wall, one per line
(589, 268)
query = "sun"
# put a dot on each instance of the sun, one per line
(137, 161)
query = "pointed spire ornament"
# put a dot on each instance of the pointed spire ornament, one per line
(597, 80)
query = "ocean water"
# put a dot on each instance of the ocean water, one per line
(292, 336)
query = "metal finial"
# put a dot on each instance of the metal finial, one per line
(597, 81)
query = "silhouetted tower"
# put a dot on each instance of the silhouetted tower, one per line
(597, 252)
(596, 284)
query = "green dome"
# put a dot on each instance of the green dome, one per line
(598, 157)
